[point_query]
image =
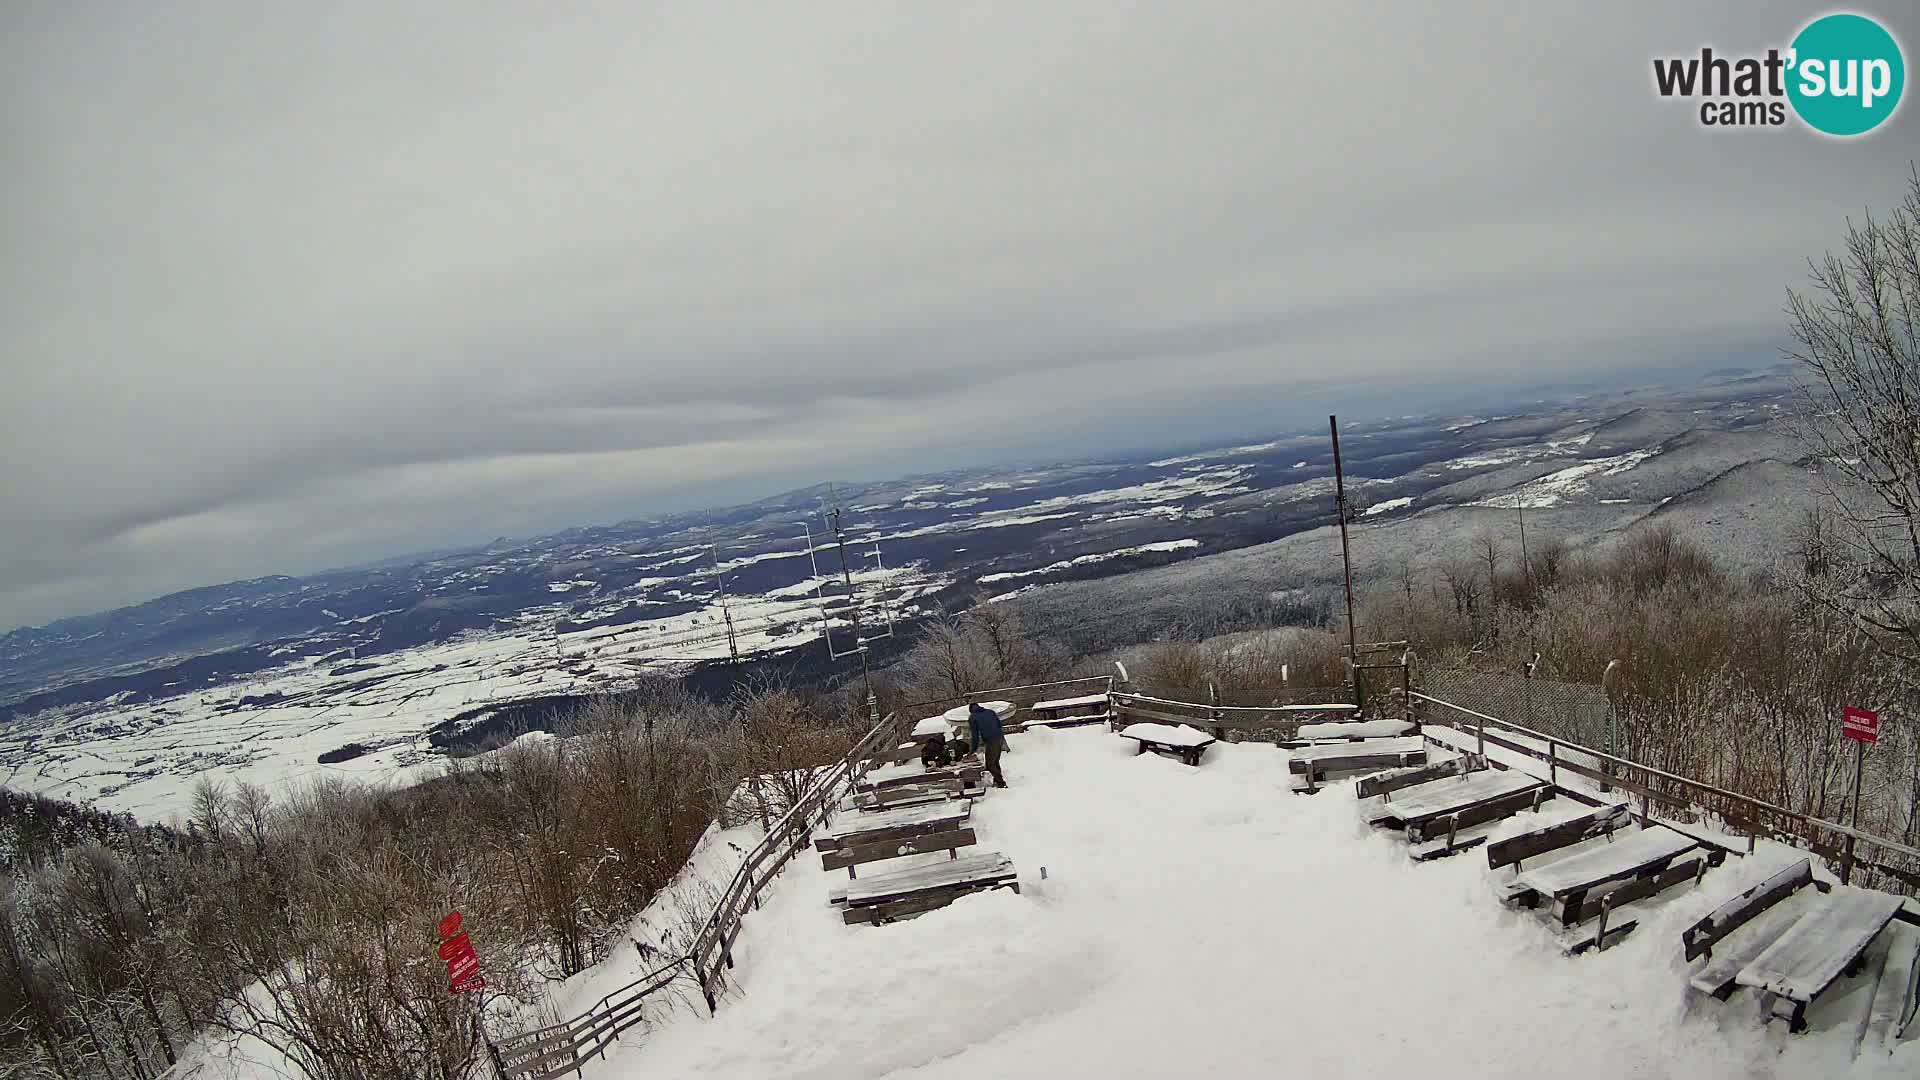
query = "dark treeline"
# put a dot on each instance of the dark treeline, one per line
(306, 920)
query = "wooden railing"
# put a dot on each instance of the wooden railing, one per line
(1279, 722)
(553, 1051)
(1753, 817)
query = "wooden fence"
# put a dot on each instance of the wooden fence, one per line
(559, 1049)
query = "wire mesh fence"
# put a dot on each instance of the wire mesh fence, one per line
(1576, 712)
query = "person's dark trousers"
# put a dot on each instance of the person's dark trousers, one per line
(994, 746)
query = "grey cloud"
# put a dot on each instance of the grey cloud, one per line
(290, 285)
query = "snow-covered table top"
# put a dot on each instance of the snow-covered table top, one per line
(1629, 852)
(1167, 735)
(1449, 794)
(904, 817)
(1814, 951)
(957, 716)
(984, 867)
(1363, 729)
(1413, 744)
(1070, 702)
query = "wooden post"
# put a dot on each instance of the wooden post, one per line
(1600, 936)
(1553, 762)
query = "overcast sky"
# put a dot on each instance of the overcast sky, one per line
(291, 285)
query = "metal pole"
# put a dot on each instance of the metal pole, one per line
(1346, 557)
(1846, 856)
(853, 614)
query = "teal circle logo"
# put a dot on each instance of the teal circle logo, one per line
(1846, 76)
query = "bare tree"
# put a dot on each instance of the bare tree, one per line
(1856, 334)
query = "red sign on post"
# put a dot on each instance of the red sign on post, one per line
(463, 964)
(1860, 725)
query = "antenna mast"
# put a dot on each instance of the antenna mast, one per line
(1346, 558)
(860, 635)
(726, 611)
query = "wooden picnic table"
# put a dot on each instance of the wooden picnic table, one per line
(1070, 710)
(897, 823)
(1183, 742)
(885, 897)
(1445, 796)
(1816, 949)
(965, 871)
(1353, 729)
(1365, 754)
(914, 773)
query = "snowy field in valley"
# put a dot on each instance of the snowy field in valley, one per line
(1205, 922)
(273, 729)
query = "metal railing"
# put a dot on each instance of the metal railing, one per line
(1754, 817)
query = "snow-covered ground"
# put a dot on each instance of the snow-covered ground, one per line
(270, 730)
(1205, 922)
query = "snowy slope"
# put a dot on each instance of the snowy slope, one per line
(1204, 922)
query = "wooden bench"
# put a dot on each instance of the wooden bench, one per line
(1817, 949)
(850, 856)
(1896, 995)
(1627, 867)
(1182, 742)
(892, 778)
(1350, 731)
(1384, 784)
(1699, 939)
(1065, 712)
(884, 898)
(1315, 762)
(898, 824)
(902, 795)
(1415, 806)
(1514, 850)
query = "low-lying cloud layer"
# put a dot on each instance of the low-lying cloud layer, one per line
(288, 286)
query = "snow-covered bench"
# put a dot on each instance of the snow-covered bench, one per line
(904, 776)
(1829, 940)
(1089, 709)
(1316, 761)
(1415, 808)
(1590, 883)
(897, 824)
(1182, 742)
(884, 898)
(1352, 730)
(1600, 821)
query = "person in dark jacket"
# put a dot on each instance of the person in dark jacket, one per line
(991, 736)
(936, 754)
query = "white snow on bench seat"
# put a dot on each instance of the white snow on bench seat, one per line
(1453, 792)
(1167, 734)
(1814, 951)
(905, 817)
(1364, 729)
(985, 867)
(1369, 748)
(1627, 852)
